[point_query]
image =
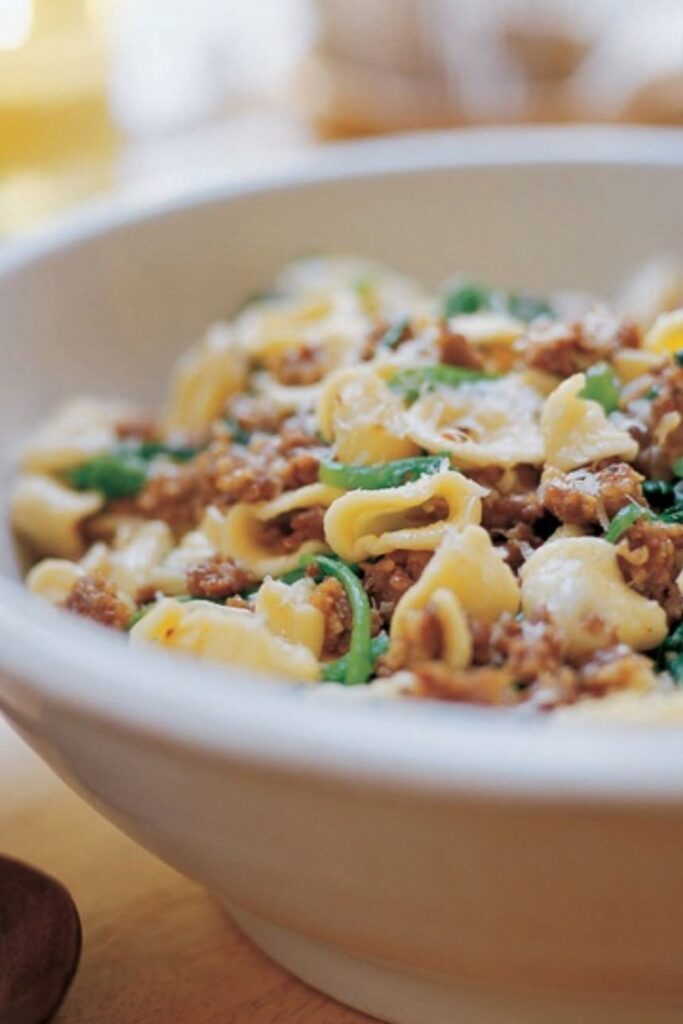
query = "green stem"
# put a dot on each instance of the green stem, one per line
(415, 380)
(601, 386)
(624, 520)
(380, 475)
(335, 671)
(359, 665)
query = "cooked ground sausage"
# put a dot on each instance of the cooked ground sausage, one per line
(95, 598)
(387, 580)
(455, 350)
(650, 557)
(591, 496)
(217, 578)
(564, 349)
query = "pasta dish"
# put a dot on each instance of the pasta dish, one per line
(475, 496)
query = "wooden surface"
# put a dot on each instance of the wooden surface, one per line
(157, 948)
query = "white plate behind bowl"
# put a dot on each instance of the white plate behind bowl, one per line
(350, 828)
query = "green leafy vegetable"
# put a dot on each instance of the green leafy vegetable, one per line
(372, 478)
(659, 492)
(601, 386)
(672, 515)
(653, 392)
(466, 298)
(359, 664)
(394, 334)
(148, 450)
(115, 475)
(263, 295)
(335, 671)
(624, 520)
(671, 654)
(122, 472)
(239, 434)
(414, 380)
(678, 357)
(469, 297)
(527, 307)
(139, 614)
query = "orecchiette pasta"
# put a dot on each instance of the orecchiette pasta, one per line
(363, 419)
(48, 515)
(467, 566)
(577, 431)
(414, 517)
(232, 635)
(169, 576)
(288, 612)
(579, 582)
(78, 430)
(243, 533)
(473, 497)
(205, 378)
(54, 579)
(666, 333)
(487, 328)
(481, 423)
(132, 561)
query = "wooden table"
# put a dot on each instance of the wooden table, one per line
(157, 948)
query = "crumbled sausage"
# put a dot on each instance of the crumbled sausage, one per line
(136, 429)
(657, 423)
(329, 597)
(512, 496)
(486, 685)
(387, 580)
(255, 414)
(591, 496)
(511, 510)
(299, 367)
(614, 668)
(530, 648)
(95, 598)
(434, 510)
(516, 660)
(564, 349)
(264, 469)
(455, 350)
(404, 333)
(292, 529)
(178, 498)
(217, 578)
(226, 473)
(650, 557)
(516, 543)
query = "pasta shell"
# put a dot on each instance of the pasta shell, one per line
(48, 515)
(577, 431)
(288, 612)
(467, 566)
(78, 430)
(364, 419)
(204, 379)
(229, 635)
(132, 560)
(239, 534)
(365, 524)
(578, 580)
(481, 423)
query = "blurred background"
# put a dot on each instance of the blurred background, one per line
(150, 95)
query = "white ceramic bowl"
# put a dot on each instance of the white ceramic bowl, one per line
(425, 863)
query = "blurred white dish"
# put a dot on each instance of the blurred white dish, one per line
(422, 863)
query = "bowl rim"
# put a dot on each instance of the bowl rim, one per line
(80, 671)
